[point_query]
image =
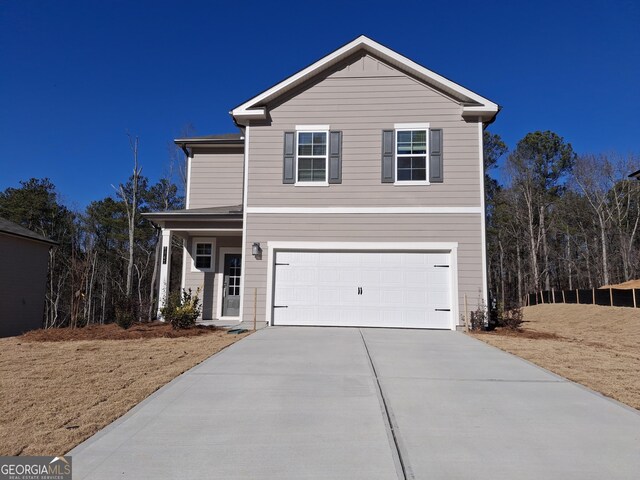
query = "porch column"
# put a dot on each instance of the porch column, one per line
(165, 269)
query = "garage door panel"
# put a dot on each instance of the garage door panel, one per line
(391, 289)
(440, 319)
(438, 258)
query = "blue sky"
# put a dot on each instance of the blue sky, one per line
(76, 76)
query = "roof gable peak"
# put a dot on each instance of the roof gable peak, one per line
(473, 104)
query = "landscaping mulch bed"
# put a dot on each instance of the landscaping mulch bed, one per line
(114, 332)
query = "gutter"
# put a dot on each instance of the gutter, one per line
(486, 124)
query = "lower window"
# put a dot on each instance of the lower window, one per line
(202, 253)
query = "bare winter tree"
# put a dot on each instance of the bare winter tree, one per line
(593, 175)
(178, 160)
(129, 194)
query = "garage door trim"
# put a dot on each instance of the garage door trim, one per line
(407, 247)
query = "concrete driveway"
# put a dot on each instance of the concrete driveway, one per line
(344, 403)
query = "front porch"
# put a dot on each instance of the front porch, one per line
(212, 259)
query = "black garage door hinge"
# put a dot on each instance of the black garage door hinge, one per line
(443, 309)
(281, 306)
(277, 264)
(444, 266)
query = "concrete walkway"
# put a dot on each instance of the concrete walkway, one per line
(296, 403)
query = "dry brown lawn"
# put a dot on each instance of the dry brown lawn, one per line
(596, 346)
(55, 394)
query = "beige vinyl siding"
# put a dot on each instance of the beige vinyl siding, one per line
(464, 229)
(216, 177)
(206, 281)
(362, 99)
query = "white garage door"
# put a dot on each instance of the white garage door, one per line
(410, 290)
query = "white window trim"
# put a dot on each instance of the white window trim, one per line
(449, 247)
(194, 242)
(313, 129)
(410, 127)
(222, 251)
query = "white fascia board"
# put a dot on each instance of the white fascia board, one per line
(483, 112)
(210, 230)
(365, 210)
(243, 116)
(377, 49)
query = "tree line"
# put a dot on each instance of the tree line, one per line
(557, 219)
(107, 254)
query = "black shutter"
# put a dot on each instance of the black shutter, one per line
(335, 157)
(388, 156)
(436, 173)
(289, 163)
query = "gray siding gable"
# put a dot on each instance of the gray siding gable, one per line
(361, 98)
(216, 177)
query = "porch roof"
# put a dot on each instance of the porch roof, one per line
(228, 213)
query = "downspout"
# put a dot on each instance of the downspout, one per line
(245, 180)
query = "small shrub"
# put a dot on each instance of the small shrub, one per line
(126, 313)
(478, 318)
(182, 309)
(512, 318)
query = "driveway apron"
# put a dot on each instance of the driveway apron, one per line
(465, 410)
(283, 403)
(346, 403)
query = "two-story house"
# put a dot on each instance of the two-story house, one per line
(352, 196)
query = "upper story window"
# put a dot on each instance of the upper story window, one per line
(411, 155)
(312, 154)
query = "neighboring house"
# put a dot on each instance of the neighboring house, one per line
(24, 259)
(353, 196)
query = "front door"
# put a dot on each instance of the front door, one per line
(231, 285)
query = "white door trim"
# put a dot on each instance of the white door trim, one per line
(450, 247)
(222, 251)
